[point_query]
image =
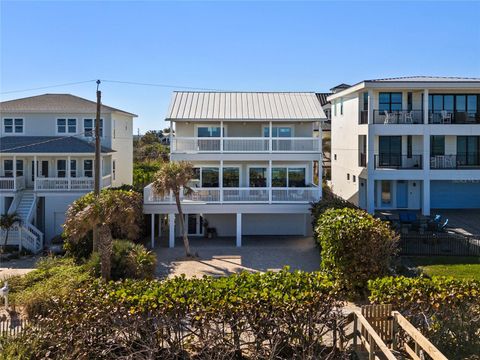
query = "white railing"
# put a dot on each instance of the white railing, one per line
(65, 184)
(25, 236)
(238, 195)
(244, 144)
(12, 183)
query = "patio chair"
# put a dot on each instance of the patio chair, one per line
(446, 117)
(409, 117)
(388, 117)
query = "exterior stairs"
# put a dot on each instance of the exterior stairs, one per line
(25, 234)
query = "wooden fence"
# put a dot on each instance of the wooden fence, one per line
(12, 327)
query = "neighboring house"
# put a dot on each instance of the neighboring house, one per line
(326, 131)
(253, 155)
(407, 143)
(47, 154)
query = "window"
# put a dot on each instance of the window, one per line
(61, 168)
(258, 177)
(66, 125)
(88, 168)
(468, 150)
(334, 156)
(88, 127)
(279, 177)
(386, 193)
(409, 101)
(231, 177)
(8, 168)
(354, 178)
(341, 106)
(278, 131)
(73, 168)
(114, 169)
(365, 101)
(390, 102)
(208, 131)
(390, 150)
(210, 177)
(196, 174)
(437, 145)
(296, 177)
(13, 126)
(409, 146)
(348, 176)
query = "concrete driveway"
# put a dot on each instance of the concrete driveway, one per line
(19, 266)
(220, 256)
(466, 221)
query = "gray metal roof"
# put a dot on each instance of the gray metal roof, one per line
(56, 103)
(322, 97)
(47, 144)
(426, 79)
(188, 105)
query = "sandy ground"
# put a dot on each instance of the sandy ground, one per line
(17, 267)
(220, 256)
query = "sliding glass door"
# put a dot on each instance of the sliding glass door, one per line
(390, 151)
(468, 150)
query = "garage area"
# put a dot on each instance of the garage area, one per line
(455, 194)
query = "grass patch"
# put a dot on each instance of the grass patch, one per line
(457, 267)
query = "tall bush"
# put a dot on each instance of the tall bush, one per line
(279, 315)
(446, 310)
(355, 247)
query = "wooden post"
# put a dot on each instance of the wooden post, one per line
(97, 161)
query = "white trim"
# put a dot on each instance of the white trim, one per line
(102, 127)
(196, 126)
(66, 118)
(287, 125)
(256, 165)
(13, 118)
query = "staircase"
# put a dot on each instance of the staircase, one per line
(26, 235)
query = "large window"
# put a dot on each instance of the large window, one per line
(210, 177)
(288, 177)
(208, 131)
(437, 145)
(8, 168)
(468, 150)
(231, 177)
(13, 126)
(296, 177)
(390, 101)
(73, 168)
(279, 177)
(66, 126)
(61, 168)
(390, 150)
(278, 131)
(88, 168)
(258, 177)
(88, 127)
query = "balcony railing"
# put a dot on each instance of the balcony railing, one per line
(453, 117)
(70, 184)
(244, 144)
(407, 117)
(239, 195)
(12, 183)
(393, 161)
(458, 161)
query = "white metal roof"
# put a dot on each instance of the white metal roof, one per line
(427, 79)
(191, 106)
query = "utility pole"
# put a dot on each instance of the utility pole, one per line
(98, 173)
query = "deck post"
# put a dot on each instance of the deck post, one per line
(239, 230)
(171, 232)
(152, 235)
(15, 172)
(68, 172)
(35, 172)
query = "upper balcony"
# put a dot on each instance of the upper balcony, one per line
(194, 145)
(453, 117)
(407, 117)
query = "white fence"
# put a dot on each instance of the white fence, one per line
(239, 195)
(64, 184)
(244, 144)
(12, 183)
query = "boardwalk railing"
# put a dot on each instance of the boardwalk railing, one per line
(440, 244)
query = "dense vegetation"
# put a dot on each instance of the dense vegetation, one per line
(446, 310)
(355, 247)
(280, 315)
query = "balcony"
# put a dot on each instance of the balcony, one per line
(453, 117)
(392, 161)
(245, 145)
(10, 184)
(458, 161)
(265, 195)
(406, 117)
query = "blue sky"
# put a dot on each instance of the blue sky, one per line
(278, 46)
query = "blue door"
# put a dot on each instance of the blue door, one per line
(402, 194)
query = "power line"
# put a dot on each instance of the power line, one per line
(162, 85)
(46, 87)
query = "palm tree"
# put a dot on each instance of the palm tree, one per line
(6, 224)
(111, 209)
(174, 177)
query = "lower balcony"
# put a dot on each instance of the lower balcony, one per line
(265, 195)
(393, 161)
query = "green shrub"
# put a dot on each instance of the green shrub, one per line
(280, 315)
(79, 250)
(52, 277)
(446, 310)
(355, 247)
(129, 261)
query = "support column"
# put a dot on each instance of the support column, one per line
(171, 232)
(35, 171)
(221, 136)
(370, 107)
(239, 230)
(426, 197)
(15, 172)
(370, 195)
(152, 235)
(425, 106)
(270, 134)
(269, 181)
(68, 171)
(220, 180)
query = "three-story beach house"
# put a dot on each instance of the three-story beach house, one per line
(47, 154)
(253, 155)
(407, 143)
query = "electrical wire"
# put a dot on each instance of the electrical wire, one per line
(46, 87)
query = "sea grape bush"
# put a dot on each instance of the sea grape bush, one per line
(276, 315)
(446, 310)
